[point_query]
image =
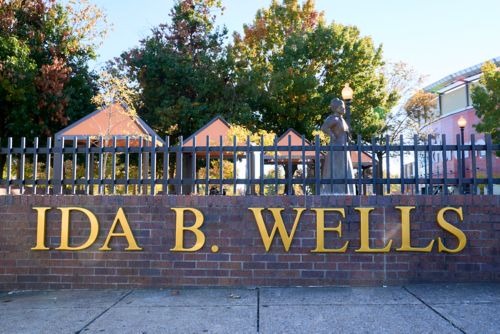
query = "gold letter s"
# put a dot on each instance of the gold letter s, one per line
(462, 239)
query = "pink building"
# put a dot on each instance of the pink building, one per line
(454, 102)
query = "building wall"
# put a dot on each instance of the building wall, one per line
(242, 259)
(447, 125)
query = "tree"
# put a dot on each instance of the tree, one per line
(116, 89)
(45, 81)
(183, 73)
(405, 82)
(486, 101)
(420, 106)
(44, 78)
(289, 64)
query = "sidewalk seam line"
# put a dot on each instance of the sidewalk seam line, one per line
(434, 310)
(103, 312)
(258, 310)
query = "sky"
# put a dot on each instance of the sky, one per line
(436, 37)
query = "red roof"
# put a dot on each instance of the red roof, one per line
(112, 121)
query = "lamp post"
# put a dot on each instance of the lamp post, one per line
(347, 97)
(462, 122)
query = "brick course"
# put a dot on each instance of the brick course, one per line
(242, 260)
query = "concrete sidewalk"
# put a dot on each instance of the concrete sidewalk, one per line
(433, 308)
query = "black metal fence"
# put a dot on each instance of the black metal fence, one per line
(127, 165)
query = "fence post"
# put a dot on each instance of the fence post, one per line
(374, 168)
(166, 165)
(276, 187)
(445, 164)
(360, 165)
(102, 169)
(317, 169)
(74, 160)
(22, 165)
(127, 163)
(261, 166)
(429, 151)
(460, 165)
(489, 163)
(113, 168)
(58, 166)
(179, 166)
(289, 168)
(415, 156)
(401, 164)
(207, 166)
(153, 166)
(387, 165)
(194, 176)
(9, 164)
(304, 171)
(47, 164)
(473, 167)
(35, 165)
(235, 158)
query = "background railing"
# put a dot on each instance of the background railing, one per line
(127, 165)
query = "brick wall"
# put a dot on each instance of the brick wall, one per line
(242, 259)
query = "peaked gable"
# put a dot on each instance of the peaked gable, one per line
(214, 129)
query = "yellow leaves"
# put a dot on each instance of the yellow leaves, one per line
(421, 105)
(322, 137)
(88, 23)
(115, 90)
(214, 172)
(242, 134)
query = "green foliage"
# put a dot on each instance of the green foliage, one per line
(44, 78)
(183, 72)
(486, 101)
(289, 65)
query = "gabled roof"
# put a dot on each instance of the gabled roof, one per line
(214, 129)
(112, 121)
(295, 140)
(283, 139)
(366, 159)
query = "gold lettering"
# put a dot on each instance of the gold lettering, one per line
(364, 214)
(460, 235)
(65, 220)
(127, 233)
(279, 225)
(40, 229)
(180, 228)
(321, 229)
(405, 232)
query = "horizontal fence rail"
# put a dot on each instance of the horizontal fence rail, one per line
(232, 166)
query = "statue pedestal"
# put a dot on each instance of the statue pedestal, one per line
(337, 190)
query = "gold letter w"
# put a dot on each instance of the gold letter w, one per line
(279, 225)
